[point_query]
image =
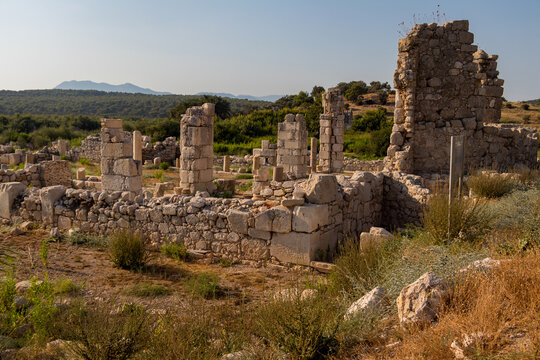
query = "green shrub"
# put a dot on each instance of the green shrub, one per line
(158, 174)
(43, 313)
(469, 219)
(305, 328)
(175, 251)
(128, 250)
(79, 238)
(246, 186)
(85, 161)
(100, 332)
(147, 290)
(205, 285)
(65, 286)
(490, 185)
(164, 165)
(371, 120)
(359, 267)
(243, 176)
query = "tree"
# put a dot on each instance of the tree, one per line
(303, 99)
(223, 107)
(372, 120)
(317, 91)
(383, 96)
(355, 90)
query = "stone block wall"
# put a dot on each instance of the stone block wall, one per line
(445, 86)
(167, 150)
(197, 150)
(47, 173)
(91, 148)
(328, 209)
(292, 152)
(119, 172)
(267, 153)
(332, 130)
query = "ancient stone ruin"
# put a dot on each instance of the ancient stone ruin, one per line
(292, 153)
(445, 86)
(119, 171)
(197, 149)
(332, 132)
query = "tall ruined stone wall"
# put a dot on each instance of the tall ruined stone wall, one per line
(119, 172)
(91, 148)
(292, 144)
(332, 131)
(445, 86)
(197, 149)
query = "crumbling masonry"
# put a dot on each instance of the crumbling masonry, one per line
(292, 152)
(332, 130)
(197, 149)
(445, 86)
(119, 172)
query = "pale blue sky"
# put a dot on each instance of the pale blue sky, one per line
(252, 47)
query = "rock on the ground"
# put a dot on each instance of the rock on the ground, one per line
(367, 303)
(484, 264)
(420, 302)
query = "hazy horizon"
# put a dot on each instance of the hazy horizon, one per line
(246, 47)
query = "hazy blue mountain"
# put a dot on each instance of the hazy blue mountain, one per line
(124, 88)
(271, 98)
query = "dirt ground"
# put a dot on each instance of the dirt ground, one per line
(92, 268)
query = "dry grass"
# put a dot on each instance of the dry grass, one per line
(499, 309)
(492, 185)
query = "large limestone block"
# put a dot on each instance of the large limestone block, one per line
(277, 220)
(367, 303)
(8, 192)
(321, 188)
(309, 217)
(420, 302)
(49, 195)
(238, 221)
(125, 167)
(296, 248)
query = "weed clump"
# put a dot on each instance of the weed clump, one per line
(128, 250)
(490, 185)
(175, 251)
(205, 285)
(469, 219)
(148, 290)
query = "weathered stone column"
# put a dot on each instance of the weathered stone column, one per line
(137, 146)
(197, 149)
(332, 131)
(313, 155)
(256, 164)
(227, 163)
(292, 146)
(119, 172)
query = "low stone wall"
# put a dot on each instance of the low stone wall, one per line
(351, 164)
(168, 150)
(47, 173)
(325, 210)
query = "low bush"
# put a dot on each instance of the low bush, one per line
(490, 185)
(128, 250)
(79, 238)
(205, 285)
(66, 286)
(175, 251)
(158, 174)
(305, 328)
(243, 176)
(164, 165)
(85, 161)
(100, 332)
(469, 219)
(147, 290)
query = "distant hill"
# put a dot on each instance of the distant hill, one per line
(101, 103)
(533, 102)
(124, 88)
(270, 98)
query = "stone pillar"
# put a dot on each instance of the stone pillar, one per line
(30, 158)
(313, 155)
(178, 162)
(332, 131)
(256, 164)
(62, 146)
(137, 146)
(197, 149)
(227, 163)
(278, 173)
(292, 146)
(81, 174)
(119, 172)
